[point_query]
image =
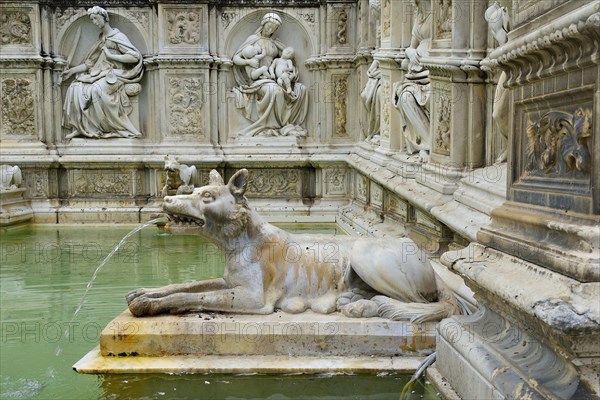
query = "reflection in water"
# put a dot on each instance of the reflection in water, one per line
(45, 272)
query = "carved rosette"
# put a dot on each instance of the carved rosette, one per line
(386, 108)
(335, 181)
(15, 28)
(185, 106)
(183, 27)
(443, 20)
(340, 87)
(559, 144)
(275, 183)
(17, 107)
(442, 122)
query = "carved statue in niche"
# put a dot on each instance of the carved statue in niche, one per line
(371, 98)
(412, 96)
(97, 102)
(272, 109)
(498, 19)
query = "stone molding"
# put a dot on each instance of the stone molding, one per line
(568, 43)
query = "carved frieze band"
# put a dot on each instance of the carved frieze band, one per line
(185, 106)
(559, 144)
(275, 183)
(15, 28)
(102, 182)
(17, 106)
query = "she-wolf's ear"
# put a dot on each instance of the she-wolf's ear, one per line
(238, 183)
(214, 178)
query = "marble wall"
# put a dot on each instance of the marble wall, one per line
(470, 126)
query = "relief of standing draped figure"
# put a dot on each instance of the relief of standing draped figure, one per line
(371, 98)
(412, 95)
(97, 102)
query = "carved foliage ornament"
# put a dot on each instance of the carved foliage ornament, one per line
(443, 23)
(342, 27)
(17, 107)
(559, 143)
(336, 181)
(184, 27)
(385, 122)
(103, 182)
(274, 182)
(340, 106)
(442, 129)
(185, 104)
(15, 28)
(227, 17)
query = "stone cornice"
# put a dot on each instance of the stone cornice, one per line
(461, 70)
(571, 41)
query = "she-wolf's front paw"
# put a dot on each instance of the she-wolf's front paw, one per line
(143, 305)
(360, 309)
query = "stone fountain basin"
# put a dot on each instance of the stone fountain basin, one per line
(276, 343)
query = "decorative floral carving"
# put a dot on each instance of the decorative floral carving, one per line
(17, 107)
(340, 94)
(443, 23)
(335, 180)
(559, 143)
(15, 28)
(37, 184)
(396, 205)
(309, 17)
(185, 104)
(227, 17)
(184, 27)
(342, 27)
(442, 126)
(103, 182)
(141, 17)
(385, 120)
(385, 18)
(275, 183)
(64, 15)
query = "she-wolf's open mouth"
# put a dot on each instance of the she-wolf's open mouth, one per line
(185, 220)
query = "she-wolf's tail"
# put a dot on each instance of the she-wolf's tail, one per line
(448, 304)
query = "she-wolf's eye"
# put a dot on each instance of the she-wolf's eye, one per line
(207, 197)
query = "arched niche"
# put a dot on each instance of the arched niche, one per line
(293, 32)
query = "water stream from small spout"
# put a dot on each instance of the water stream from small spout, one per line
(99, 268)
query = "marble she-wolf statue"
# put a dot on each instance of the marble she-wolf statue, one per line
(268, 268)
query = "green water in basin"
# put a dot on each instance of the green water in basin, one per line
(44, 271)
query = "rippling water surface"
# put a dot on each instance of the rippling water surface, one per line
(44, 272)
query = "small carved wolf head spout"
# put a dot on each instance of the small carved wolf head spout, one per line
(217, 211)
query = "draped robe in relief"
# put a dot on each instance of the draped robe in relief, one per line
(272, 111)
(97, 103)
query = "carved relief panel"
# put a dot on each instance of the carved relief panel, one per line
(102, 183)
(336, 181)
(376, 195)
(183, 29)
(386, 108)
(340, 106)
(442, 121)
(396, 206)
(275, 183)
(17, 111)
(185, 100)
(19, 30)
(555, 150)
(442, 25)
